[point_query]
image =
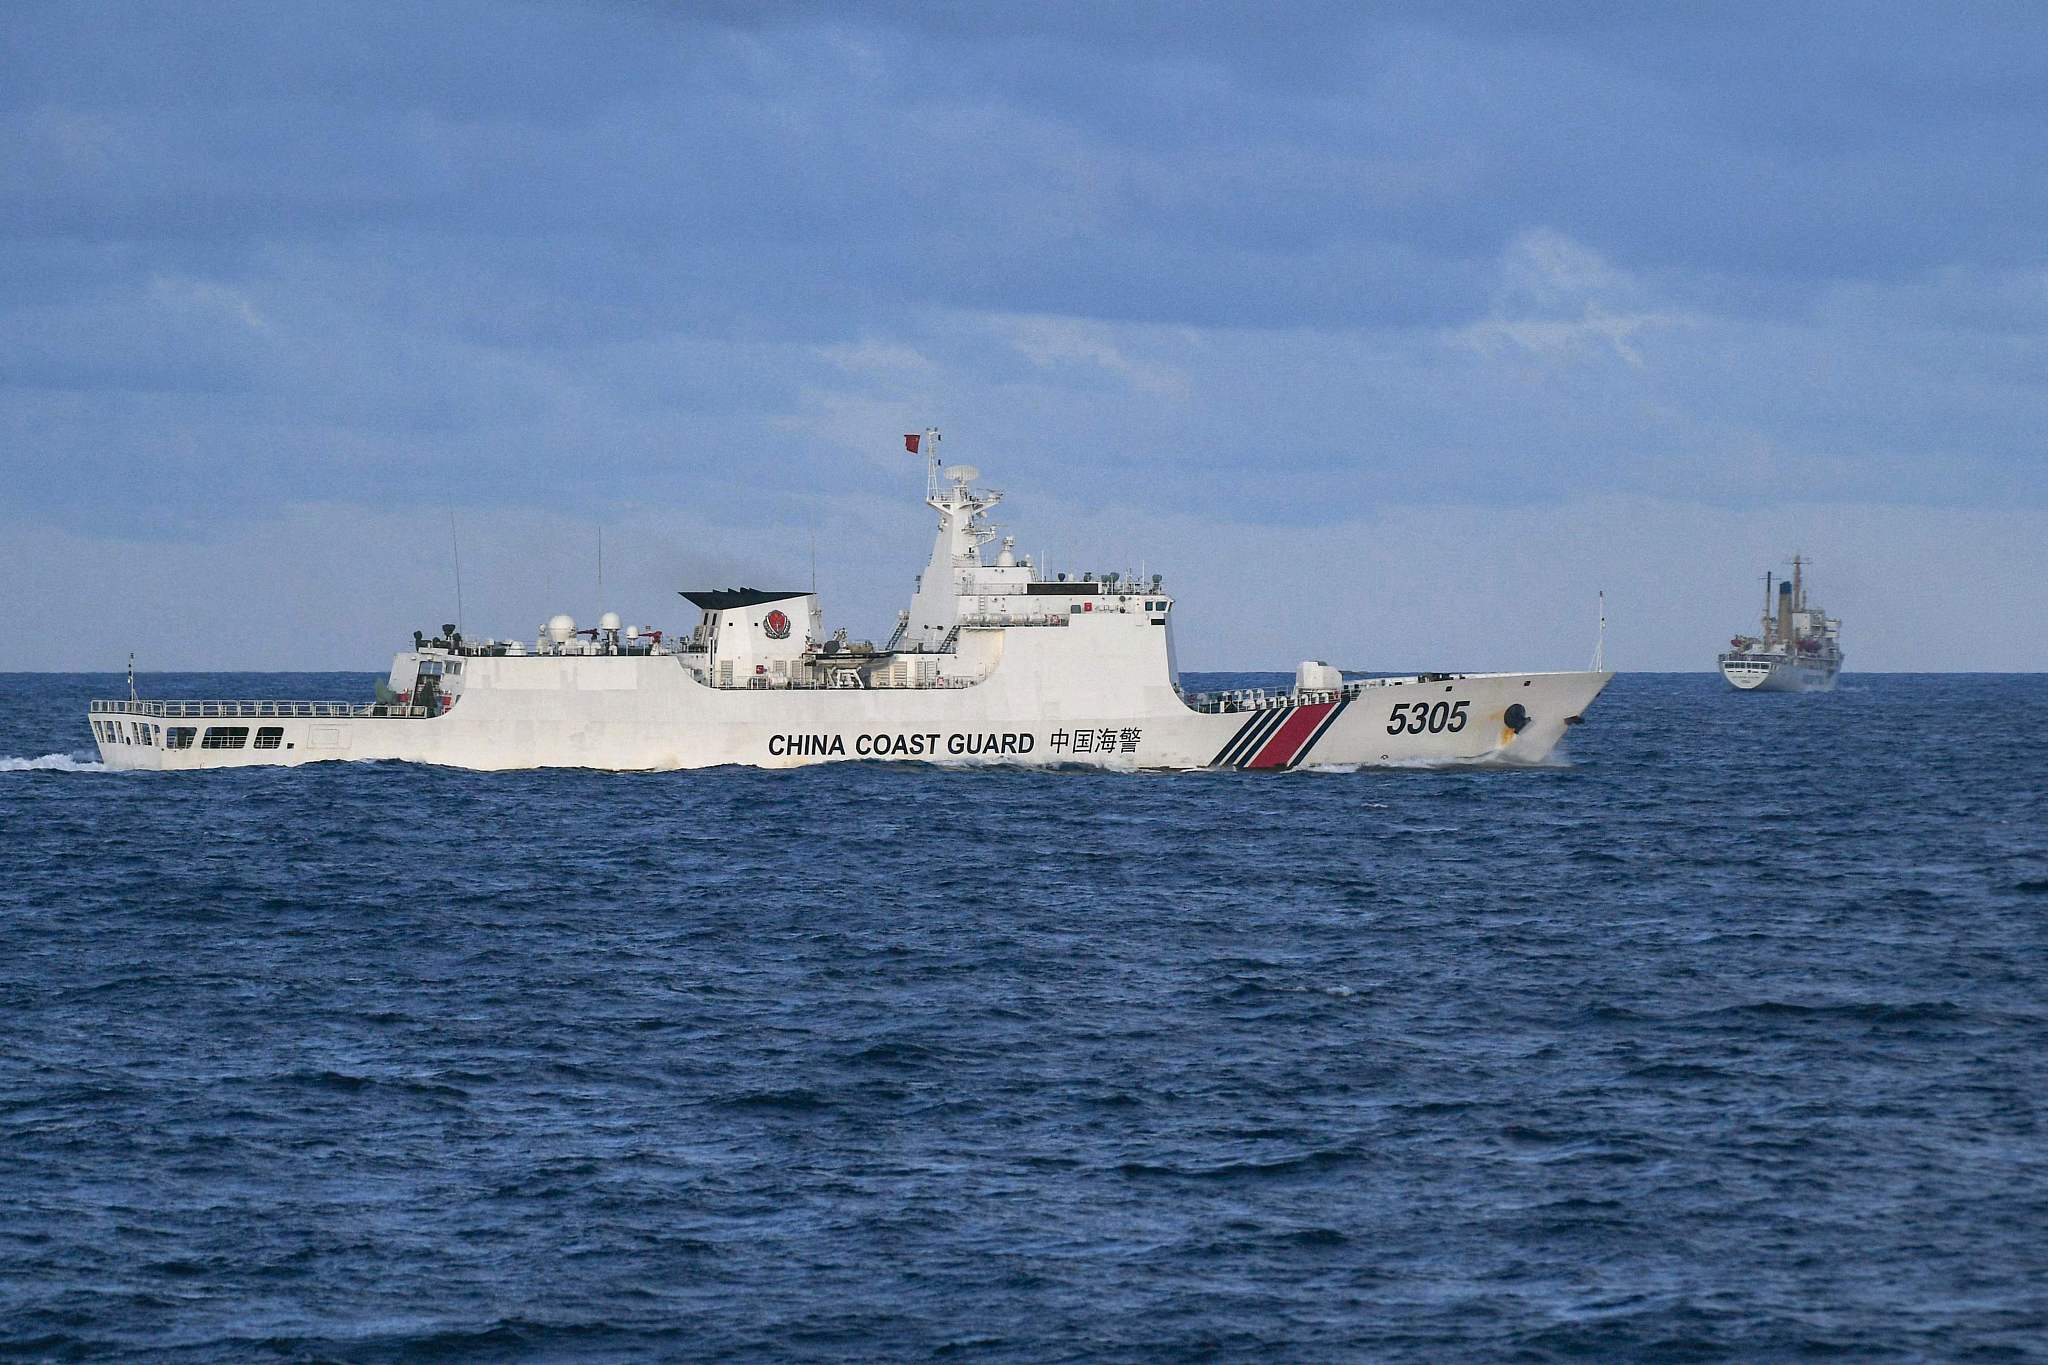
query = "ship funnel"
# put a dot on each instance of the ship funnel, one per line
(1785, 614)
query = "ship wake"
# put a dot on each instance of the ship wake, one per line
(1556, 758)
(53, 763)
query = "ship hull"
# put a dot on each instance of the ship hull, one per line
(650, 714)
(1778, 675)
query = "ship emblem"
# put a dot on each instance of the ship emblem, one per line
(777, 625)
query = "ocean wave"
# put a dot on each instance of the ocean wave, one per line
(357, 1061)
(1248, 1168)
(55, 763)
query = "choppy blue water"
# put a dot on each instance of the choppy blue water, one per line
(1726, 1041)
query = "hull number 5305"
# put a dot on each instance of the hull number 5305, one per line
(1418, 717)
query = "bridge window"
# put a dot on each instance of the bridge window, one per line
(270, 737)
(179, 737)
(224, 737)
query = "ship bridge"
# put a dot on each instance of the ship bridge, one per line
(951, 635)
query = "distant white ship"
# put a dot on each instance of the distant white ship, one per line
(992, 662)
(1799, 649)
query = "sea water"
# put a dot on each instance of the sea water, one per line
(1723, 1038)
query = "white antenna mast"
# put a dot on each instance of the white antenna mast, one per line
(1600, 645)
(131, 675)
(600, 569)
(456, 541)
(929, 443)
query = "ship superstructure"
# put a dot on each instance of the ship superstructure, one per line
(993, 661)
(1798, 647)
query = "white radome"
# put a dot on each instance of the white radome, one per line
(992, 662)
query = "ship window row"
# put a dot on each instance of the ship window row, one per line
(128, 732)
(182, 736)
(237, 736)
(1152, 604)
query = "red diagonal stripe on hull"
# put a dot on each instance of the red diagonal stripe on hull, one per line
(1292, 734)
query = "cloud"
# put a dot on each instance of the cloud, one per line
(1328, 274)
(1052, 343)
(202, 296)
(1558, 300)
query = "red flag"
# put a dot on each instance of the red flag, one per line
(910, 442)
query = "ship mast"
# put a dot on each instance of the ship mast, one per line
(1600, 644)
(929, 443)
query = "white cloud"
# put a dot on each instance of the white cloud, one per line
(872, 356)
(1557, 300)
(1050, 342)
(207, 296)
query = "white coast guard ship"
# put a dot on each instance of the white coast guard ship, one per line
(1799, 647)
(991, 663)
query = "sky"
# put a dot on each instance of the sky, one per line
(1389, 334)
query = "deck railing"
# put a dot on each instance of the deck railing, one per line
(1261, 699)
(177, 709)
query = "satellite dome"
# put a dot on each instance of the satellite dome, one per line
(560, 627)
(608, 621)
